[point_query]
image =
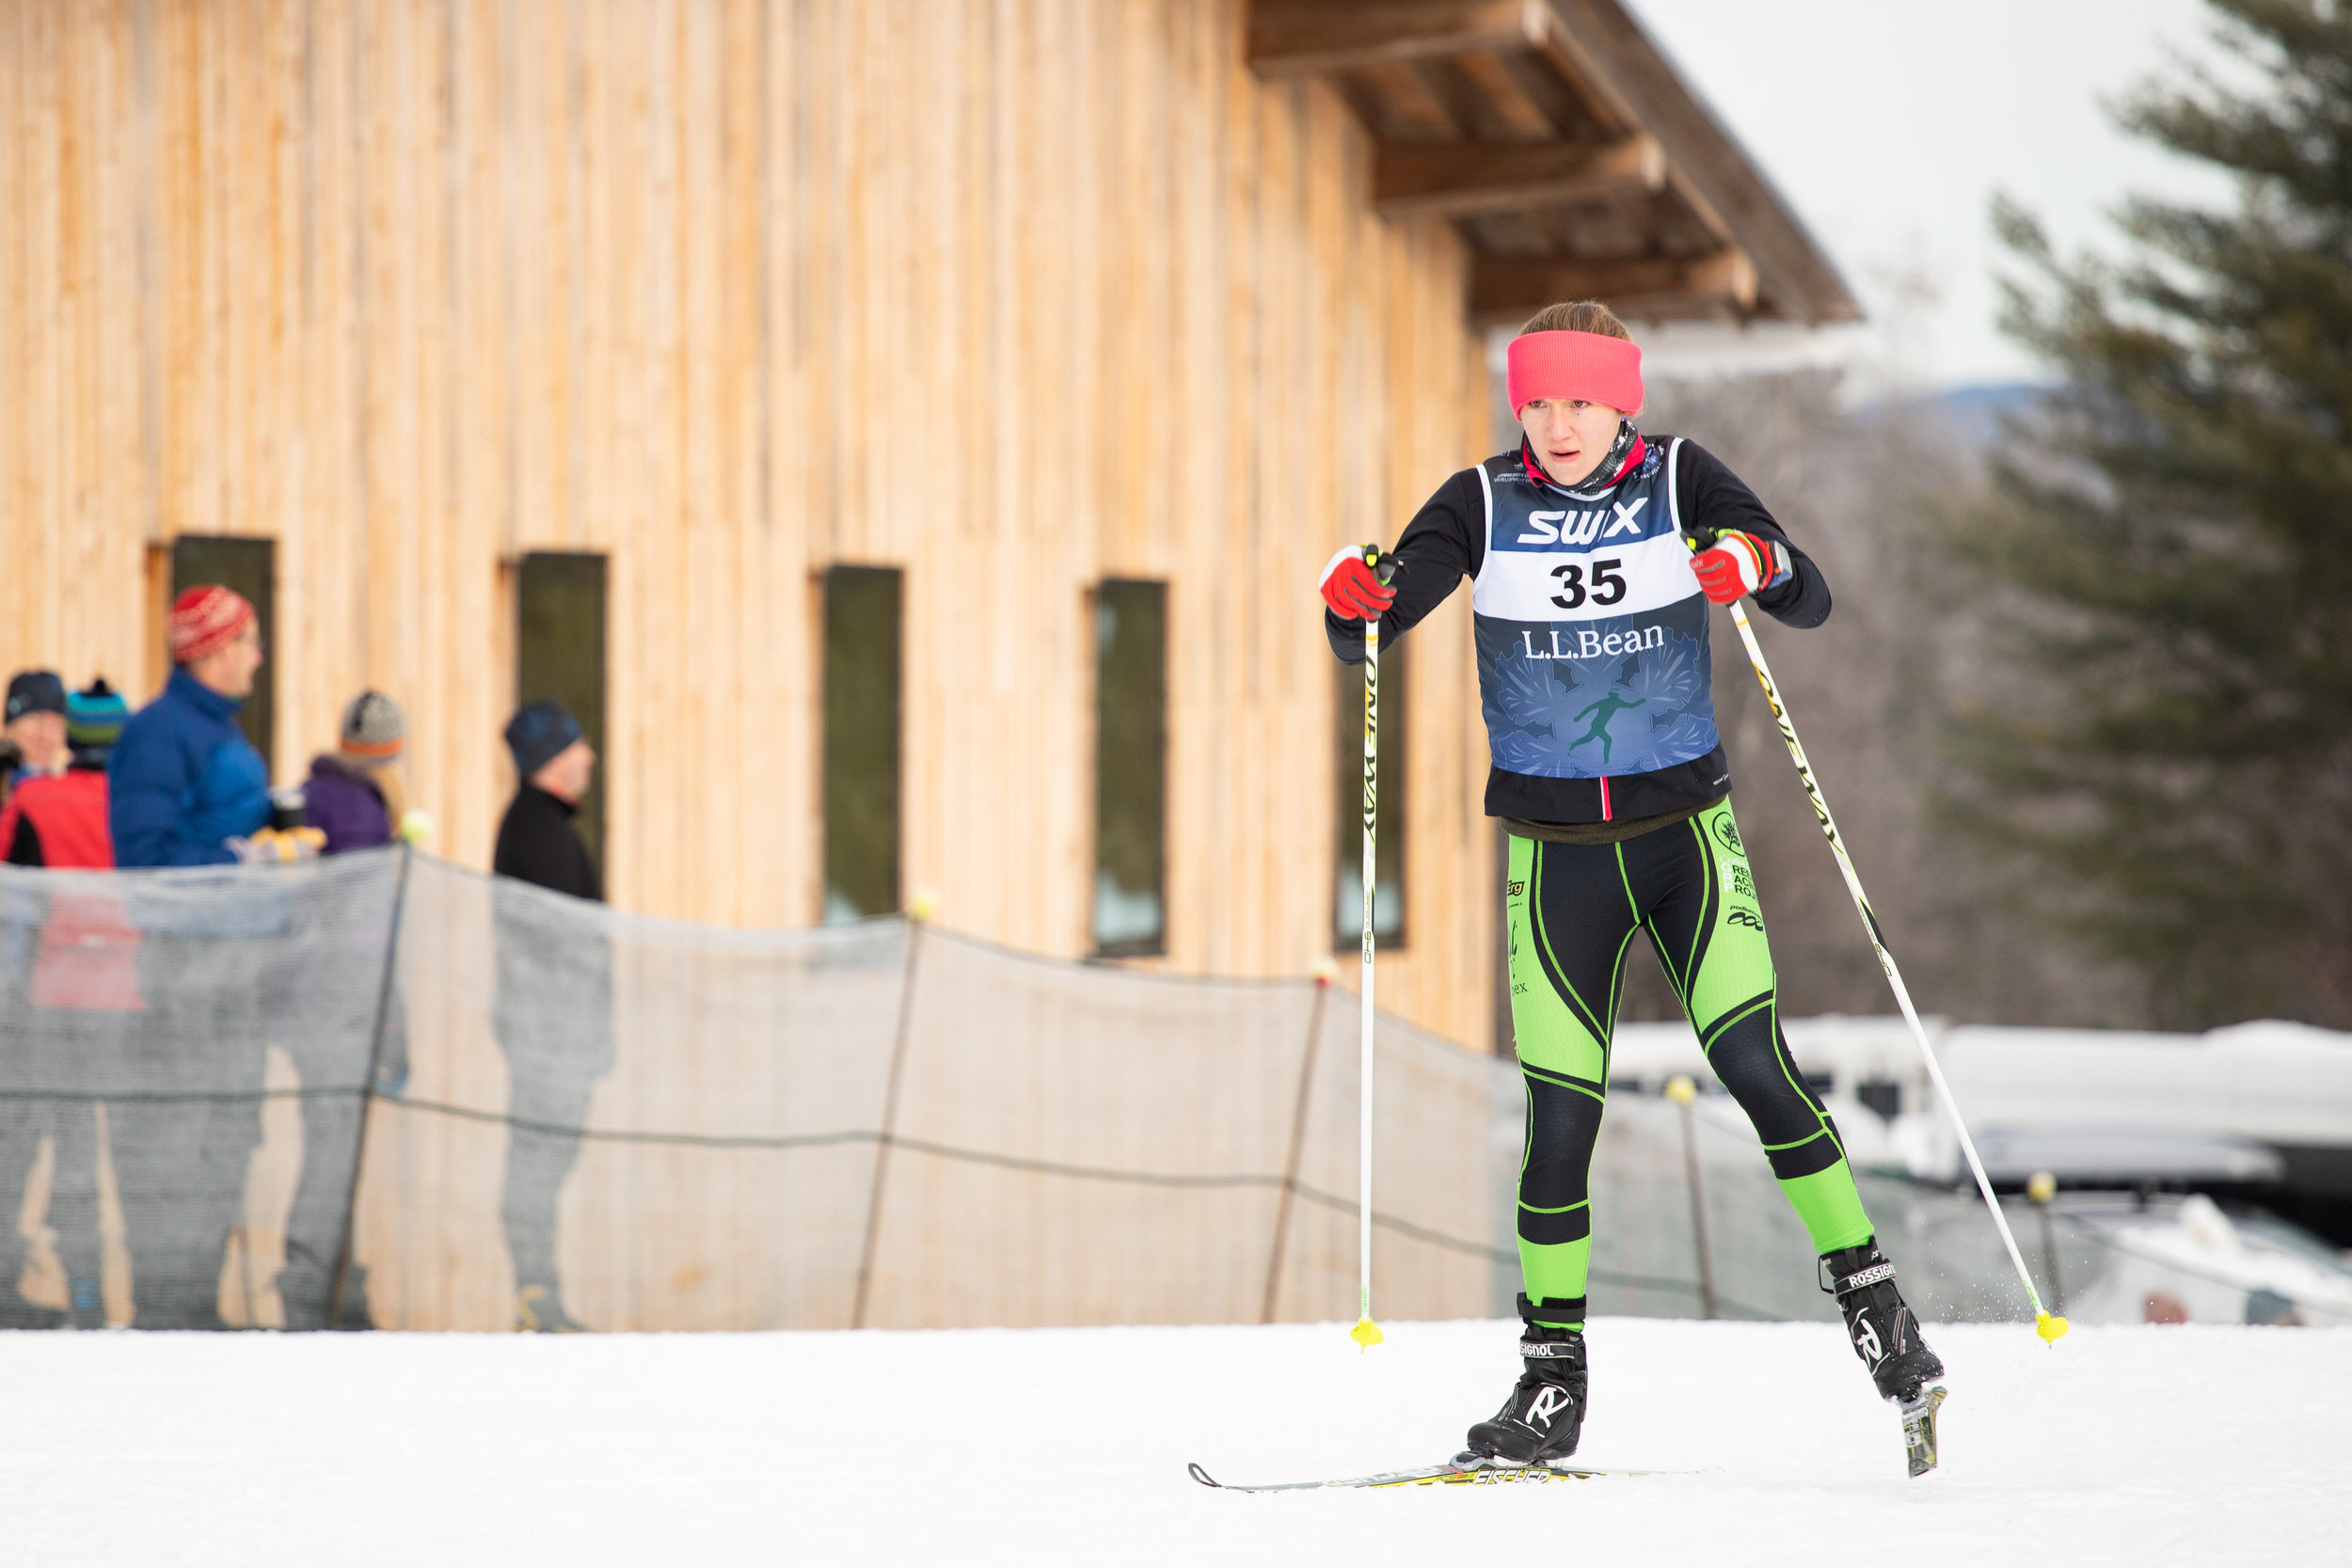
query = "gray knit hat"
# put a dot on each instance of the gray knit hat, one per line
(372, 730)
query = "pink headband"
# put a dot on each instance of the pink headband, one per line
(1586, 367)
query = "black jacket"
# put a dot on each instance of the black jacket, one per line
(1446, 542)
(537, 844)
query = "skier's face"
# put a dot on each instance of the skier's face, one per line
(1569, 438)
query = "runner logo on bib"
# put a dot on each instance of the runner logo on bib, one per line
(1592, 631)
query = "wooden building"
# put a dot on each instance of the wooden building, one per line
(590, 346)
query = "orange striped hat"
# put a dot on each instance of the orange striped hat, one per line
(372, 730)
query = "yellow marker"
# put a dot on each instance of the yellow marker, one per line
(924, 906)
(1680, 1089)
(1367, 1333)
(2041, 1186)
(2051, 1329)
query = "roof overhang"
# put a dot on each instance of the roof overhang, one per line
(1563, 145)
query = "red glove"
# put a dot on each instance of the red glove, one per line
(1351, 586)
(1738, 563)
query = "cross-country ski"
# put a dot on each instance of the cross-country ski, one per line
(1474, 1473)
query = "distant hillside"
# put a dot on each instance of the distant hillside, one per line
(1975, 412)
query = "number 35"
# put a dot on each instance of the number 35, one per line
(1608, 587)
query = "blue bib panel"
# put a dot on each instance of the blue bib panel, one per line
(1592, 631)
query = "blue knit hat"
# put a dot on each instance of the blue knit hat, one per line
(94, 715)
(537, 733)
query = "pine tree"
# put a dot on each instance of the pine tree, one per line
(2166, 550)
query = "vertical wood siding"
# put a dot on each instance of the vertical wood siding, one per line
(1011, 294)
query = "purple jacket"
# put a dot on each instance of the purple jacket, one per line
(345, 804)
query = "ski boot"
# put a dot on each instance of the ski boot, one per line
(1885, 1335)
(1541, 1419)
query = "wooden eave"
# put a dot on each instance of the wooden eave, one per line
(1559, 139)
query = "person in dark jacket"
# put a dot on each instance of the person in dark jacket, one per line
(553, 1011)
(537, 842)
(182, 780)
(345, 797)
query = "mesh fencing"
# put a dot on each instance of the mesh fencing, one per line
(581, 1117)
(576, 1117)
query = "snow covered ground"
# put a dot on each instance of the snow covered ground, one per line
(2122, 1445)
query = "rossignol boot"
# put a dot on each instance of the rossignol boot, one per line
(1540, 1421)
(1878, 1324)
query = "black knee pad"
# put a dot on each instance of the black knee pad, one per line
(1754, 1064)
(1562, 1125)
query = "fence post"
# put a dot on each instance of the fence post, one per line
(887, 1136)
(367, 1089)
(1681, 1091)
(1298, 1144)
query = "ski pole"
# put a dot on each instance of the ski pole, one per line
(1366, 1333)
(2047, 1325)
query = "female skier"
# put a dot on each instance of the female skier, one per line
(1593, 552)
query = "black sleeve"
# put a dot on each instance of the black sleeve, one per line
(25, 847)
(1443, 544)
(1712, 498)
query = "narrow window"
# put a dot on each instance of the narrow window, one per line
(1130, 768)
(559, 653)
(862, 609)
(250, 567)
(1388, 888)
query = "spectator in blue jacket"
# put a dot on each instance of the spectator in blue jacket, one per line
(182, 780)
(182, 783)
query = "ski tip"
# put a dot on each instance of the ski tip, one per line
(1203, 1477)
(2052, 1329)
(1366, 1333)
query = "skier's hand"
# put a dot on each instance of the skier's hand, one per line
(1738, 563)
(1352, 586)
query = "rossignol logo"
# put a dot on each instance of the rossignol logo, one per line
(1583, 528)
(1584, 642)
(1865, 1342)
(1549, 1401)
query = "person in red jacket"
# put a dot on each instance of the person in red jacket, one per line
(84, 983)
(59, 819)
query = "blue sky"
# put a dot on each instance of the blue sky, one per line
(1889, 124)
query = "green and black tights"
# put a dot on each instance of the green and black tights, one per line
(1572, 912)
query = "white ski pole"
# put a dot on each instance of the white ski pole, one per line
(2047, 1325)
(1367, 1333)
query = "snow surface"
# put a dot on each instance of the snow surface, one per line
(2122, 1445)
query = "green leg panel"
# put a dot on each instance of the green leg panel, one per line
(1555, 1272)
(1553, 1029)
(1830, 1206)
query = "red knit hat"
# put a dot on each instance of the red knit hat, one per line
(204, 620)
